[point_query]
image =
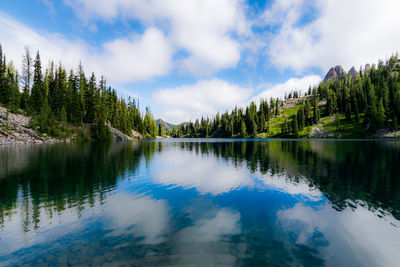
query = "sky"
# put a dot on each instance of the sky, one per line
(191, 58)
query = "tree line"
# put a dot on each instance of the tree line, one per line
(54, 96)
(370, 99)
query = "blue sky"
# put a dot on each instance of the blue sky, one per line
(186, 59)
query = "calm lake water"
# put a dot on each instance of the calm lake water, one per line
(202, 203)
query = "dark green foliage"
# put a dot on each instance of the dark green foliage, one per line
(38, 90)
(295, 127)
(160, 129)
(243, 132)
(92, 100)
(101, 132)
(26, 78)
(380, 115)
(3, 86)
(53, 98)
(300, 118)
(316, 115)
(81, 137)
(373, 96)
(45, 120)
(150, 124)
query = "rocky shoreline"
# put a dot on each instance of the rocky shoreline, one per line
(14, 130)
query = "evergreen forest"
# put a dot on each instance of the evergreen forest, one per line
(59, 100)
(358, 104)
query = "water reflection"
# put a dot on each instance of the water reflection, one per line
(149, 217)
(206, 174)
(210, 203)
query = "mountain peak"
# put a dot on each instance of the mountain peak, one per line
(165, 124)
(335, 73)
(353, 72)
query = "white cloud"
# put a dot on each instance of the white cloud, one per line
(211, 230)
(137, 58)
(128, 59)
(205, 98)
(149, 216)
(287, 185)
(201, 28)
(207, 175)
(15, 36)
(360, 236)
(225, 222)
(278, 90)
(346, 33)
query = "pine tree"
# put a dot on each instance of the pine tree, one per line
(300, 118)
(348, 111)
(150, 123)
(37, 97)
(174, 132)
(370, 112)
(12, 88)
(2, 75)
(243, 132)
(284, 127)
(380, 115)
(316, 115)
(160, 129)
(74, 103)
(331, 103)
(295, 127)
(91, 100)
(26, 77)
(3, 83)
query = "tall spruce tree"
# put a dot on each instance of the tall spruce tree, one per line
(38, 94)
(26, 77)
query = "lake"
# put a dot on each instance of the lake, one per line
(201, 202)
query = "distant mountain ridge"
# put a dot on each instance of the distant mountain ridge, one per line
(337, 73)
(166, 125)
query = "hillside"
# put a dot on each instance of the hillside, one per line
(22, 129)
(363, 104)
(14, 129)
(64, 104)
(335, 126)
(166, 125)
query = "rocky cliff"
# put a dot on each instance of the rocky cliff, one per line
(335, 74)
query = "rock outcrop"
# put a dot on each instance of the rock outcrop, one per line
(335, 74)
(120, 136)
(165, 125)
(353, 73)
(13, 130)
(136, 135)
(367, 68)
(319, 132)
(386, 133)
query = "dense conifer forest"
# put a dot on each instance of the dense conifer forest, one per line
(365, 101)
(59, 100)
